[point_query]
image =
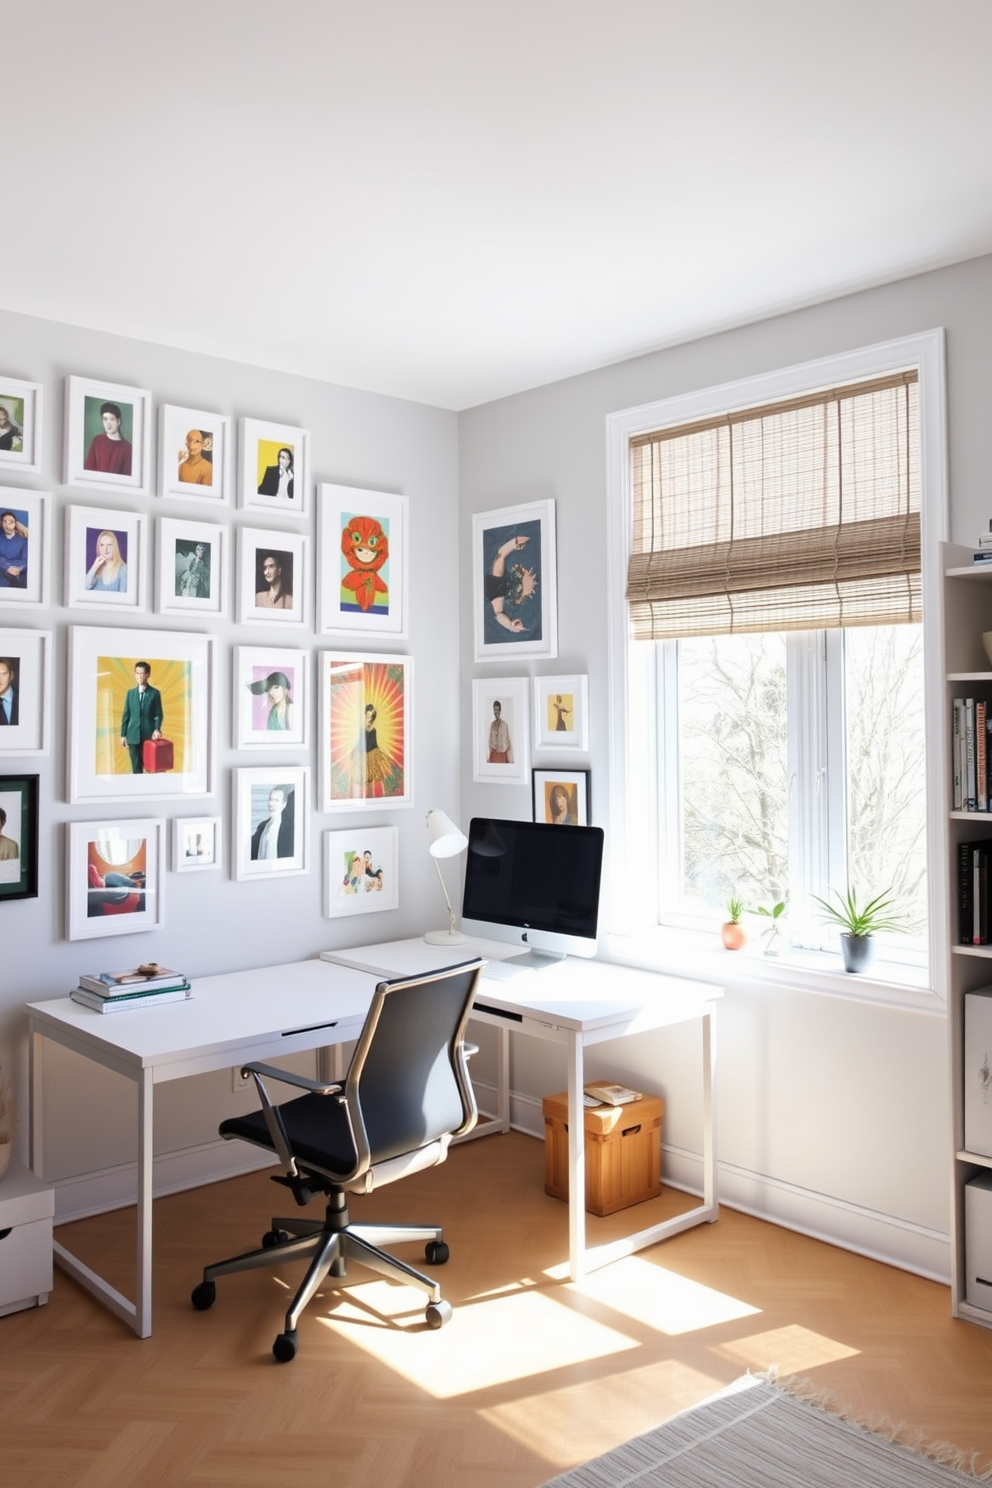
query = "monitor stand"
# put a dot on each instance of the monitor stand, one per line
(537, 960)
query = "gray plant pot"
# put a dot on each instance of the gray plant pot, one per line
(858, 951)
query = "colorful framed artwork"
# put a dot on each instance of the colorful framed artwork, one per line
(514, 582)
(25, 547)
(191, 568)
(194, 454)
(140, 724)
(25, 690)
(18, 837)
(361, 871)
(196, 843)
(273, 577)
(116, 871)
(107, 436)
(271, 821)
(271, 697)
(105, 558)
(561, 797)
(274, 467)
(20, 425)
(500, 730)
(561, 712)
(364, 741)
(362, 562)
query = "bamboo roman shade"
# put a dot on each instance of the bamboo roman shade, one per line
(800, 515)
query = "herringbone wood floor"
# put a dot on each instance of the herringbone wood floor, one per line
(531, 1375)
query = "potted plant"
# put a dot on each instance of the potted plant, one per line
(858, 924)
(773, 934)
(732, 933)
(8, 1122)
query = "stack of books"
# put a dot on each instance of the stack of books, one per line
(141, 987)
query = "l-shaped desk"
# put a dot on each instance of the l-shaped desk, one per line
(321, 1005)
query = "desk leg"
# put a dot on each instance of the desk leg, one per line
(143, 1309)
(576, 1160)
(36, 1145)
(709, 1114)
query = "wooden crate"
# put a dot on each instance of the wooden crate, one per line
(623, 1152)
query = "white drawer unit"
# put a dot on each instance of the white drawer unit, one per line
(27, 1207)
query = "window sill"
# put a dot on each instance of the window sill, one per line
(699, 956)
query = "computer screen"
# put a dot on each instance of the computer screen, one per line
(533, 885)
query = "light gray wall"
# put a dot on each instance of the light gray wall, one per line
(834, 1115)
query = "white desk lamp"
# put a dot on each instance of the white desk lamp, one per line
(445, 841)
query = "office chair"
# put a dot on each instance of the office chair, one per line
(405, 1095)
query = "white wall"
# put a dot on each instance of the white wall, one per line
(833, 1114)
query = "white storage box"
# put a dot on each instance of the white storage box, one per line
(978, 1241)
(977, 1075)
(26, 1209)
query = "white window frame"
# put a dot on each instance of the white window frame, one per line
(629, 909)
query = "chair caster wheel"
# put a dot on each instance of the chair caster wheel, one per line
(271, 1238)
(284, 1348)
(436, 1252)
(203, 1296)
(438, 1313)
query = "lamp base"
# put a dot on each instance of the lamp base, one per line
(445, 937)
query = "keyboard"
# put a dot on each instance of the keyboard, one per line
(503, 971)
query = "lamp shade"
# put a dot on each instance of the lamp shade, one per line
(445, 840)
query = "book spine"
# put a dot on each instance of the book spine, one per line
(956, 725)
(981, 781)
(964, 893)
(969, 738)
(101, 989)
(117, 1004)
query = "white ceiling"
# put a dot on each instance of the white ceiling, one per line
(452, 200)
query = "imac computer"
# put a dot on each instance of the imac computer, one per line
(534, 886)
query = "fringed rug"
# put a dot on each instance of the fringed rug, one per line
(761, 1434)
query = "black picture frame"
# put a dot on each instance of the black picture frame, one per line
(19, 799)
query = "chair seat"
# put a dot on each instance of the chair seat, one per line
(316, 1126)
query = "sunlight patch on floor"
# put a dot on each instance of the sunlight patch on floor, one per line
(665, 1301)
(791, 1350)
(525, 1334)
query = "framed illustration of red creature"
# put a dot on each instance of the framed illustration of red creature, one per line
(363, 562)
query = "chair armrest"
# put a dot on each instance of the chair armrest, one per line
(317, 1087)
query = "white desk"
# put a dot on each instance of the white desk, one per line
(231, 1020)
(576, 1003)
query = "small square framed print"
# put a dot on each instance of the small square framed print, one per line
(273, 577)
(116, 870)
(105, 558)
(20, 425)
(194, 454)
(107, 436)
(271, 697)
(196, 843)
(25, 690)
(500, 730)
(561, 712)
(271, 821)
(18, 837)
(561, 797)
(362, 564)
(361, 871)
(192, 568)
(25, 547)
(274, 467)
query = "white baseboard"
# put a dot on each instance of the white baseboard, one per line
(190, 1167)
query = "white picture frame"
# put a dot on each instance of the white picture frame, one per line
(193, 468)
(91, 443)
(361, 871)
(260, 444)
(196, 844)
(26, 657)
(561, 712)
(254, 789)
(500, 703)
(364, 744)
(256, 585)
(115, 877)
(20, 434)
(362, 566)
(102, 664)
(99, 542)
(514, 582)
(271, 697)
(27, 549)
(191, 567)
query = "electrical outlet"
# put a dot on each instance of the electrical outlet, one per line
(238, 1085)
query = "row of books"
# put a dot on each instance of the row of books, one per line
(971, 754)
(974, 885)
(143, 986)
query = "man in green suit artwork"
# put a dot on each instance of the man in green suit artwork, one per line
(142, 717)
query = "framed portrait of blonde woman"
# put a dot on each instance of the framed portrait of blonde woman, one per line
(105, 559)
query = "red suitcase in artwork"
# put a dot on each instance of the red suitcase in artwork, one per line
(157, 756)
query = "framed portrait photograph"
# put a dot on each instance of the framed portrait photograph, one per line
(25, 547)
(107, 436)
(25, 690)
(500, 730)
(361, 871)
(191, 568)
(194, 454)
(196, 843)
(273, 577)
(271, 821)
(514, 582)
(362, 562)
(561, 797)
(115, 875)
(104, 558)
(364, 742)
(140, 719)
(18, 836)
(274, 467)
(271, 697)
(20, 425)
(561, 712)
